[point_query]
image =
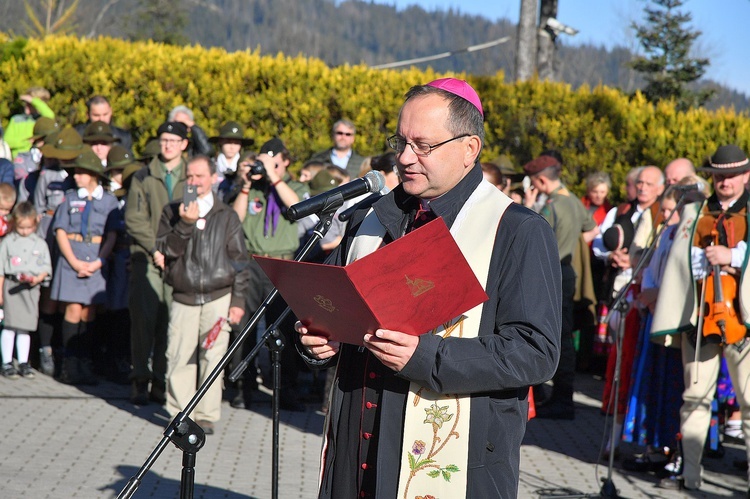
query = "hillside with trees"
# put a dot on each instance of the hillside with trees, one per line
(348, 32)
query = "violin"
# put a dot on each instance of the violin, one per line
(720, 316)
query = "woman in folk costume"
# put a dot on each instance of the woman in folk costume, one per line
(443, 414)
(710, 247)
(82, 227)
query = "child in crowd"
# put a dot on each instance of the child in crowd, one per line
(82, 230)
(24, 264)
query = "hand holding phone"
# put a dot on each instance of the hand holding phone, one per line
(189, 194)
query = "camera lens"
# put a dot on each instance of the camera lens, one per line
(256, 168)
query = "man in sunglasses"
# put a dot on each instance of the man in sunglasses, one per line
(342, 154)
(443, 414)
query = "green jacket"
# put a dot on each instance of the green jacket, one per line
(21, 127)
(147, 198)
(282, 242)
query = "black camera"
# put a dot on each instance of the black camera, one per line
(256, 168)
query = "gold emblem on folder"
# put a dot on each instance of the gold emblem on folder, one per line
(418, 286)
(324, 303)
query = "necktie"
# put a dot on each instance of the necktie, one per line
(168, 183)
(85, 219)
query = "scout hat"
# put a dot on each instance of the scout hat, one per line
(43, 127)
(459, 88)
(87, 160)
(727, 159)
(65, 146)
(98, 131)
(232, 130)
(323, 181)
(151, 150)
(118, 158)
(173, 127)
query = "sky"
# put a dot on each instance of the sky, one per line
(723, 23)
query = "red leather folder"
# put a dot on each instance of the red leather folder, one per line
(412, 285)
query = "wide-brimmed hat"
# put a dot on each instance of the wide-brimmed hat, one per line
(150, 151)
(322, 182)
(231, 130)
(65, 146)
(118, 158)
(727, 159)
(86, 160)
(98, 131)
(43, 127)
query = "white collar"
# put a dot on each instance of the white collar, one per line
(83, 193)
(205, 204)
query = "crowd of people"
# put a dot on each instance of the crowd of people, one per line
(140, 269)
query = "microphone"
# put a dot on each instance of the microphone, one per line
(698, 186)
(372, 182)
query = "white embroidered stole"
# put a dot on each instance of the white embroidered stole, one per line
(435, 447)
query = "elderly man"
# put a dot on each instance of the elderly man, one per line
(206, 265)
(472, 385)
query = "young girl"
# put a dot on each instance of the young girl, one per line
(85, 240)
(24, 264)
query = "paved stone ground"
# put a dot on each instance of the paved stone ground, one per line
(65, 442)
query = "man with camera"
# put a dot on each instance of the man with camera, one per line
(150, 190)
(267, 192)
(206, 265)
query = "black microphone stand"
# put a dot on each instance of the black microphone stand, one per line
(186, 434)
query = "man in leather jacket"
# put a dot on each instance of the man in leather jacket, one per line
(206, 265)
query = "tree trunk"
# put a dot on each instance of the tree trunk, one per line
(547, 37)
(526, 50)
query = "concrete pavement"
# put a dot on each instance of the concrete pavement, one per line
(87, 442)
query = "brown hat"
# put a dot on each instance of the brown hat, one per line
(118, 158)
(65, 146)
(541, 163)
(87, 160)
(98, 131)
(43, 127)
(231, 130)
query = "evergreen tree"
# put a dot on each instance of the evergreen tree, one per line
(162, 21)
(667, 66)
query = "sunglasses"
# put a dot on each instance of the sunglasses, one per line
(348, 134)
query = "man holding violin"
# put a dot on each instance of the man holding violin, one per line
(714, 233)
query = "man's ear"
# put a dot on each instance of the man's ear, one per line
(473, 146)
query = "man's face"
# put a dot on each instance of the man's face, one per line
(648, 187)
(100, 112)
(676, 171)
(199, 175)
(423, 119)
(172, 146)
(729, 186)
(343, 137)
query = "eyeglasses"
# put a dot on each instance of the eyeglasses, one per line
(398, 144)
(348, 134)
(170, 142)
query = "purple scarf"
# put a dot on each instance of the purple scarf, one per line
(273, 210)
